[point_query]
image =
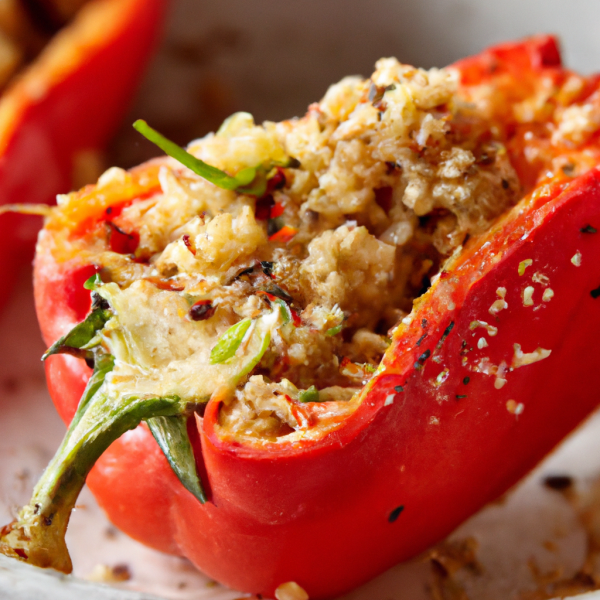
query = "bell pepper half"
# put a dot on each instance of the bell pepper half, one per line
(69, 101)
(492, 368)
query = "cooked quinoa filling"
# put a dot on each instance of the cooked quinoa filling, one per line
(274, 302)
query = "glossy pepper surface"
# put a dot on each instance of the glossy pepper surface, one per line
(448, 422)
(69, 101)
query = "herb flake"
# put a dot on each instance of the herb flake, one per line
(229, 342)
(309, 395)
(240, 182)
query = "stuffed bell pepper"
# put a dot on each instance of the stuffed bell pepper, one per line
(300, 352)
(68, 69)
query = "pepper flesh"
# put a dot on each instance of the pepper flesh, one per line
(69, 101)
(423, 451)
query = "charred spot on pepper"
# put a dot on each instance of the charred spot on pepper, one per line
(588, 229)
(423, 323)
(558, 483)
(595, 293)
(398, 389)
(48, 520)
(202, 310)
(393, 516)
(421, 339)
(460, 396)
(466, 380)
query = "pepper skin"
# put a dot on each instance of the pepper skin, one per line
(70, 100)
(446, 425)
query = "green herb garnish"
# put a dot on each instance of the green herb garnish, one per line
(309, 395)
(77, 341)
(93, 282)
(334, 330)
(171, 435)
(251, 180)
(229, 342)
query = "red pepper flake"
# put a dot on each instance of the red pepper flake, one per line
(276, 182)
(395, 514)
(21, 553)
(383, 197)
(188, 244)
(122, 242)
(296, 318)
(262, 209)
(284, 235)
(271, 297)
(277, 210)
(202, 310)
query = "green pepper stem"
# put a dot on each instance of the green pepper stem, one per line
(38, 534)
(172, 437)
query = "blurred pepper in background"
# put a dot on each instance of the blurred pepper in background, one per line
(68, 69)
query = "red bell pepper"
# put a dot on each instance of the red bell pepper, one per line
(494, 366)
(70, 100)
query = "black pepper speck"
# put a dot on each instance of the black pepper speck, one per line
(395, 514)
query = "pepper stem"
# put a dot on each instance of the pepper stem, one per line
(37, 535)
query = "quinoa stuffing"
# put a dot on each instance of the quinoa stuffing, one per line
(287, 298)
